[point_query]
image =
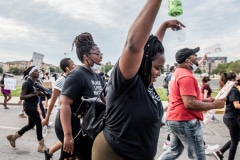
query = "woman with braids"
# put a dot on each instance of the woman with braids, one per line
(231, 117)
(30, 96)
(82, 81)
(132, 127)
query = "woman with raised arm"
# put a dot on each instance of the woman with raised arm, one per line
(132, 127)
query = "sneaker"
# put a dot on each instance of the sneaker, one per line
(214, 119)
(22, 115)
(209, 149)
(47, 155)
(217, 155)
(50, 124)
(166, 144)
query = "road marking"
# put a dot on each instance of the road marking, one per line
(5, 127)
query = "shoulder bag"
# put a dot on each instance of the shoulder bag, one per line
(92, 112)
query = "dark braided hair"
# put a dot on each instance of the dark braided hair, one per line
(26, 72)
(84, 43)
(151, 49)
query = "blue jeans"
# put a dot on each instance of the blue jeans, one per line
(185, 134)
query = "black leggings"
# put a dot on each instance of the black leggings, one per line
(233, 125)
(33, 119)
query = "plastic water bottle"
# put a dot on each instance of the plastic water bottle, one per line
(175, 8)
(181, 35)
(44, 131)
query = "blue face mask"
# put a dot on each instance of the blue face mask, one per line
(193, 66)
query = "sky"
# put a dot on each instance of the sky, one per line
(50, 26)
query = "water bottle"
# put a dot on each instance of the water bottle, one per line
(44, 131)
(175, 8)
(181, 35)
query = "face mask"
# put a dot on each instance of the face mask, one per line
(193, 66)
(95, 67)
(41, 75)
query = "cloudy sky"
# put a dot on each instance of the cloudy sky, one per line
(50, 26)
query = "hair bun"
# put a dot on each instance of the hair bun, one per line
(83, 39)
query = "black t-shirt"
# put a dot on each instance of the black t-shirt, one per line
(133, 126)
(80, 82)
(28, 87)
(231, 111)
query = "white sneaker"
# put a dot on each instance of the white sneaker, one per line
(50, 124)
(211, 148)
(166, 144)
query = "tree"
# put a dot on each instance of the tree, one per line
(234, 67)
(198, 70)
(106, 67)
(221, 68)
(52, 70)
(15, 70)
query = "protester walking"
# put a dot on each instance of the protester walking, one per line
(206, 92)
(67, 65)
(185, 109)
(231, 117)
(82, 81)
(133, 126)
(30, 96)
(6, 93)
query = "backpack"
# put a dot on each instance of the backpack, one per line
(165, 82)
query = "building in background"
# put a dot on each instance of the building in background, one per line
(22, 65)
(211, 63)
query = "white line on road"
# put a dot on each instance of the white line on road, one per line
(6, 127)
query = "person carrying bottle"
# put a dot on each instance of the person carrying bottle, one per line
(30, 96)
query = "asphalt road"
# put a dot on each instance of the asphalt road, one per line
(26, 146)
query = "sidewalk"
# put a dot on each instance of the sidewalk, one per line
(13, 100)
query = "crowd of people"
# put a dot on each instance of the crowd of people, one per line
(133, 126)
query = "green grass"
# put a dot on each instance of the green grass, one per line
(15, 93)
(161, 92)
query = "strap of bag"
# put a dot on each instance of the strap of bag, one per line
(120, 97)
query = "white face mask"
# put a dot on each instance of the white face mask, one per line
(41, 75)
(95, 67)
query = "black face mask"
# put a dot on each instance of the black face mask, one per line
(238, 82)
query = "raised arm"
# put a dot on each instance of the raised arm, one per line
(138, 34)
(202, 60)
(173, 24)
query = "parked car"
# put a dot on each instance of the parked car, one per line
(10, 75)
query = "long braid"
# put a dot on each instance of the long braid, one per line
(84, 43)
(151, 49)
